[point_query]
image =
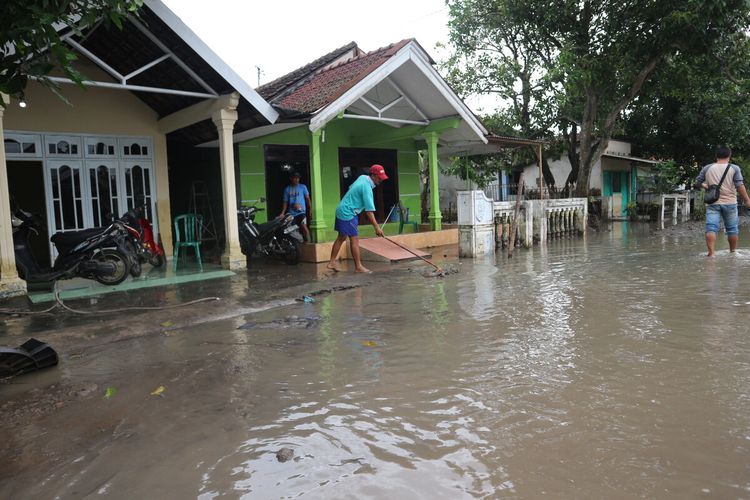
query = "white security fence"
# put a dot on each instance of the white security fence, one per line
(484, 224)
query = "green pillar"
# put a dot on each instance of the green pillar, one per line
(432, 154)
(318, 224)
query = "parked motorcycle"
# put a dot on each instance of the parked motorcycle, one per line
(91, 253)
(279, 237)
(146, 246)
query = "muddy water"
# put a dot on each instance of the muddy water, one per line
(615, 367)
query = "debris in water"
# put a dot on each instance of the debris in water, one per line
(440, 273)
(109, 392)
(305, 322)
(307, 299)
(284, 454)
(369, 343)
(167, 324)
(158, 391)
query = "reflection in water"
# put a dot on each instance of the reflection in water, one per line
(607, 367)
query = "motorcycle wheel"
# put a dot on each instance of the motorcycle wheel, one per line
(135, 260)
(291, 256)
(122, 267)
(156, 260)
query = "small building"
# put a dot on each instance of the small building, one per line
(345, 111)
(615, 176)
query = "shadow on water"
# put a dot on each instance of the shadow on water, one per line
(617, 366)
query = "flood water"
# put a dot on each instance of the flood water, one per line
(613, 367)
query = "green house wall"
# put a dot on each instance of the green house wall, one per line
(338, 134)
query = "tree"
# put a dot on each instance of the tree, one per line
(33, 47)
(691, 107)
(593, 57)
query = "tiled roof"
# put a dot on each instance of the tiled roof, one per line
(271, 89)
(323, 87)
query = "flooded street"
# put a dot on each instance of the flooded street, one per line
(613, 367)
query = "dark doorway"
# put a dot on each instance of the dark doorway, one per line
(354, 162)
(281, 161)
(26, 185)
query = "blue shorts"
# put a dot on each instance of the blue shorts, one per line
(347, 227)
(727, 213)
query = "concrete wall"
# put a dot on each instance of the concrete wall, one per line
(338, 134)
(97, 111)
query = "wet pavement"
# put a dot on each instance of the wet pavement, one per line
(618, 366)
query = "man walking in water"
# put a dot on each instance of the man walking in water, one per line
(725, 208)
(359, 198)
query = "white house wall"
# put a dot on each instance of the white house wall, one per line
(97, 111)
(560, 170)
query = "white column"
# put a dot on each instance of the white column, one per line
(10, 283)
(224, 120)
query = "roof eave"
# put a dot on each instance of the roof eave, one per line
(208, 55)
(411, 51)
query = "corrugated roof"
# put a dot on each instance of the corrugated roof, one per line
(272, 89)
(325, 86)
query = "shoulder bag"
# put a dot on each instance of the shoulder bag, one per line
(714, 190)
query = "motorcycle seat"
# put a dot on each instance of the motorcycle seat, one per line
(72, 238)
(269, 226)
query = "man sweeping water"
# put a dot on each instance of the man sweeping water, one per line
(359, 198)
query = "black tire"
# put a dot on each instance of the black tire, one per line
(135, 267)
(291, 256)
(135, 259)
(156, 260)
(122, 267)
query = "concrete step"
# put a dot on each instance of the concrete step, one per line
(382, 250)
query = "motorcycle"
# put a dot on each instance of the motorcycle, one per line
(95, 254)
(279, 237)
(146, 246)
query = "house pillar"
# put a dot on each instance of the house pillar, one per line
(432, 155)
(318, 224)
(224, 119)
(10, 283)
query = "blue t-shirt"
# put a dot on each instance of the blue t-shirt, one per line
(359, 198)
(296, 195)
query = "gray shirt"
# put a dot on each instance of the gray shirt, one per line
(711, 174)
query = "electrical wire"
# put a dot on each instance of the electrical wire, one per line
(59, 303)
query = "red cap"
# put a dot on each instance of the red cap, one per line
(379, 172)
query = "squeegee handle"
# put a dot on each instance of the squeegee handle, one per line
(413, 253)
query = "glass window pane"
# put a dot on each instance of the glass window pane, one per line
(76, 183)
(55, 190)
(67, 198)
(128, 183)
(12, 146)
(79, 213)
(56, 207)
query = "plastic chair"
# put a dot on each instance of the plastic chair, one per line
(403, 220)
(192, 225)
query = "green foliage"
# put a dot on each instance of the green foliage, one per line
(694, 104)
(481, 169)
(30, 31)
(668, 176)
(573, 69)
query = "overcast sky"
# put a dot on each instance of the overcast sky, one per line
(281, 35)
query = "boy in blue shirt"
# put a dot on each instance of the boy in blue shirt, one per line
(359, 198)
(297, 203)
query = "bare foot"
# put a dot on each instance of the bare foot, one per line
(362, 269)
(710, 254)
(333, 267)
